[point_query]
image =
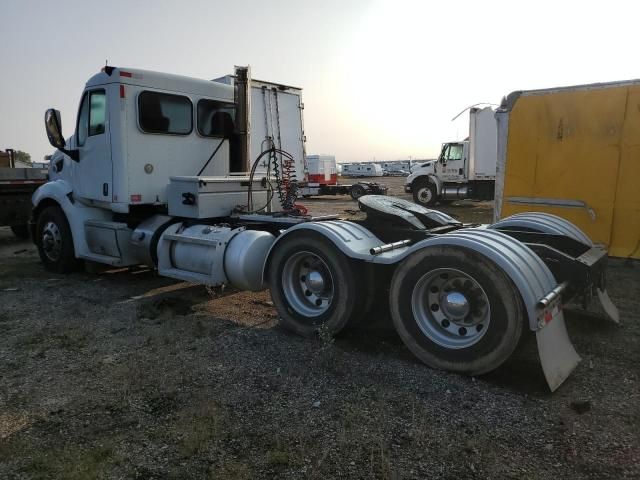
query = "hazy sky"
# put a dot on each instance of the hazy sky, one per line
(381, 78)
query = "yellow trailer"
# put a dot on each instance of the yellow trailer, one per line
(574, 152)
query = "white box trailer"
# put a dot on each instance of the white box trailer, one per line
(322, 170)
(157, 172)
(276, 120)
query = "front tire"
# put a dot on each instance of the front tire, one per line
(425, 193)
(456, 310)
(314, 285)
(55, 242)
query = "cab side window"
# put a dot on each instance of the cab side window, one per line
(455, 152)
(92, 116)
(215, 119)
(165, 113)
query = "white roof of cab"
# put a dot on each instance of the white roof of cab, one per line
(162, 81)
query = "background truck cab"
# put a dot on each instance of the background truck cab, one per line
(464, 169)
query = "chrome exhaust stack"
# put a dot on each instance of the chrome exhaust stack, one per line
(242, 98)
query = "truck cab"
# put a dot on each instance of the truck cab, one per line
(135, 129)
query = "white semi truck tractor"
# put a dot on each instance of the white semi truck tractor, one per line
(464, 169)
(158, 171)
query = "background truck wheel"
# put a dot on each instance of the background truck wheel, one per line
(357, 191)
(456, 310)
(54, 241)
(425, 194)
(20, 231)
(313, 285)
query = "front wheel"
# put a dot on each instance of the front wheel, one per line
(425, 194)
(456, 310)
(313, 285)
(54, 241)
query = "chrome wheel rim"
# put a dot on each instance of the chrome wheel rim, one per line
(425, 195)
(450, 308)
(307, 284)
(52, 241)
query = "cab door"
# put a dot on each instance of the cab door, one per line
(93, 141)
(452, 162)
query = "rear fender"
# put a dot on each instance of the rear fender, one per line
(528, 272)
(350, 238)
(553, 224)
(543, 222)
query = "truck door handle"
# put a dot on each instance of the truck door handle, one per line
(105, 189)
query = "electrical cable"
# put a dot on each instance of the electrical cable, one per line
(285, 179)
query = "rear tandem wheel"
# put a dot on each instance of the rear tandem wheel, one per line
(314, 286)
(456, 310)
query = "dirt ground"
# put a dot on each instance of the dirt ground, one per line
(125, 374)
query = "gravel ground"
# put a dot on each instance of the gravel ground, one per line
(124, 374)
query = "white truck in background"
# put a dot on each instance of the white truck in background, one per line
(159, 171)
(464, 169)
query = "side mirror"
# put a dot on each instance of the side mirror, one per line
(53, 126)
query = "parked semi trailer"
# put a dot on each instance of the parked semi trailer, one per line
(464, 169)
(573, 152)
(16, 188)
(323, 180)
(135, 184)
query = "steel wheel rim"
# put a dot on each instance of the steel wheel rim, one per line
(424, 194)
(52, 241)
(307, 284)
(450, 308)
